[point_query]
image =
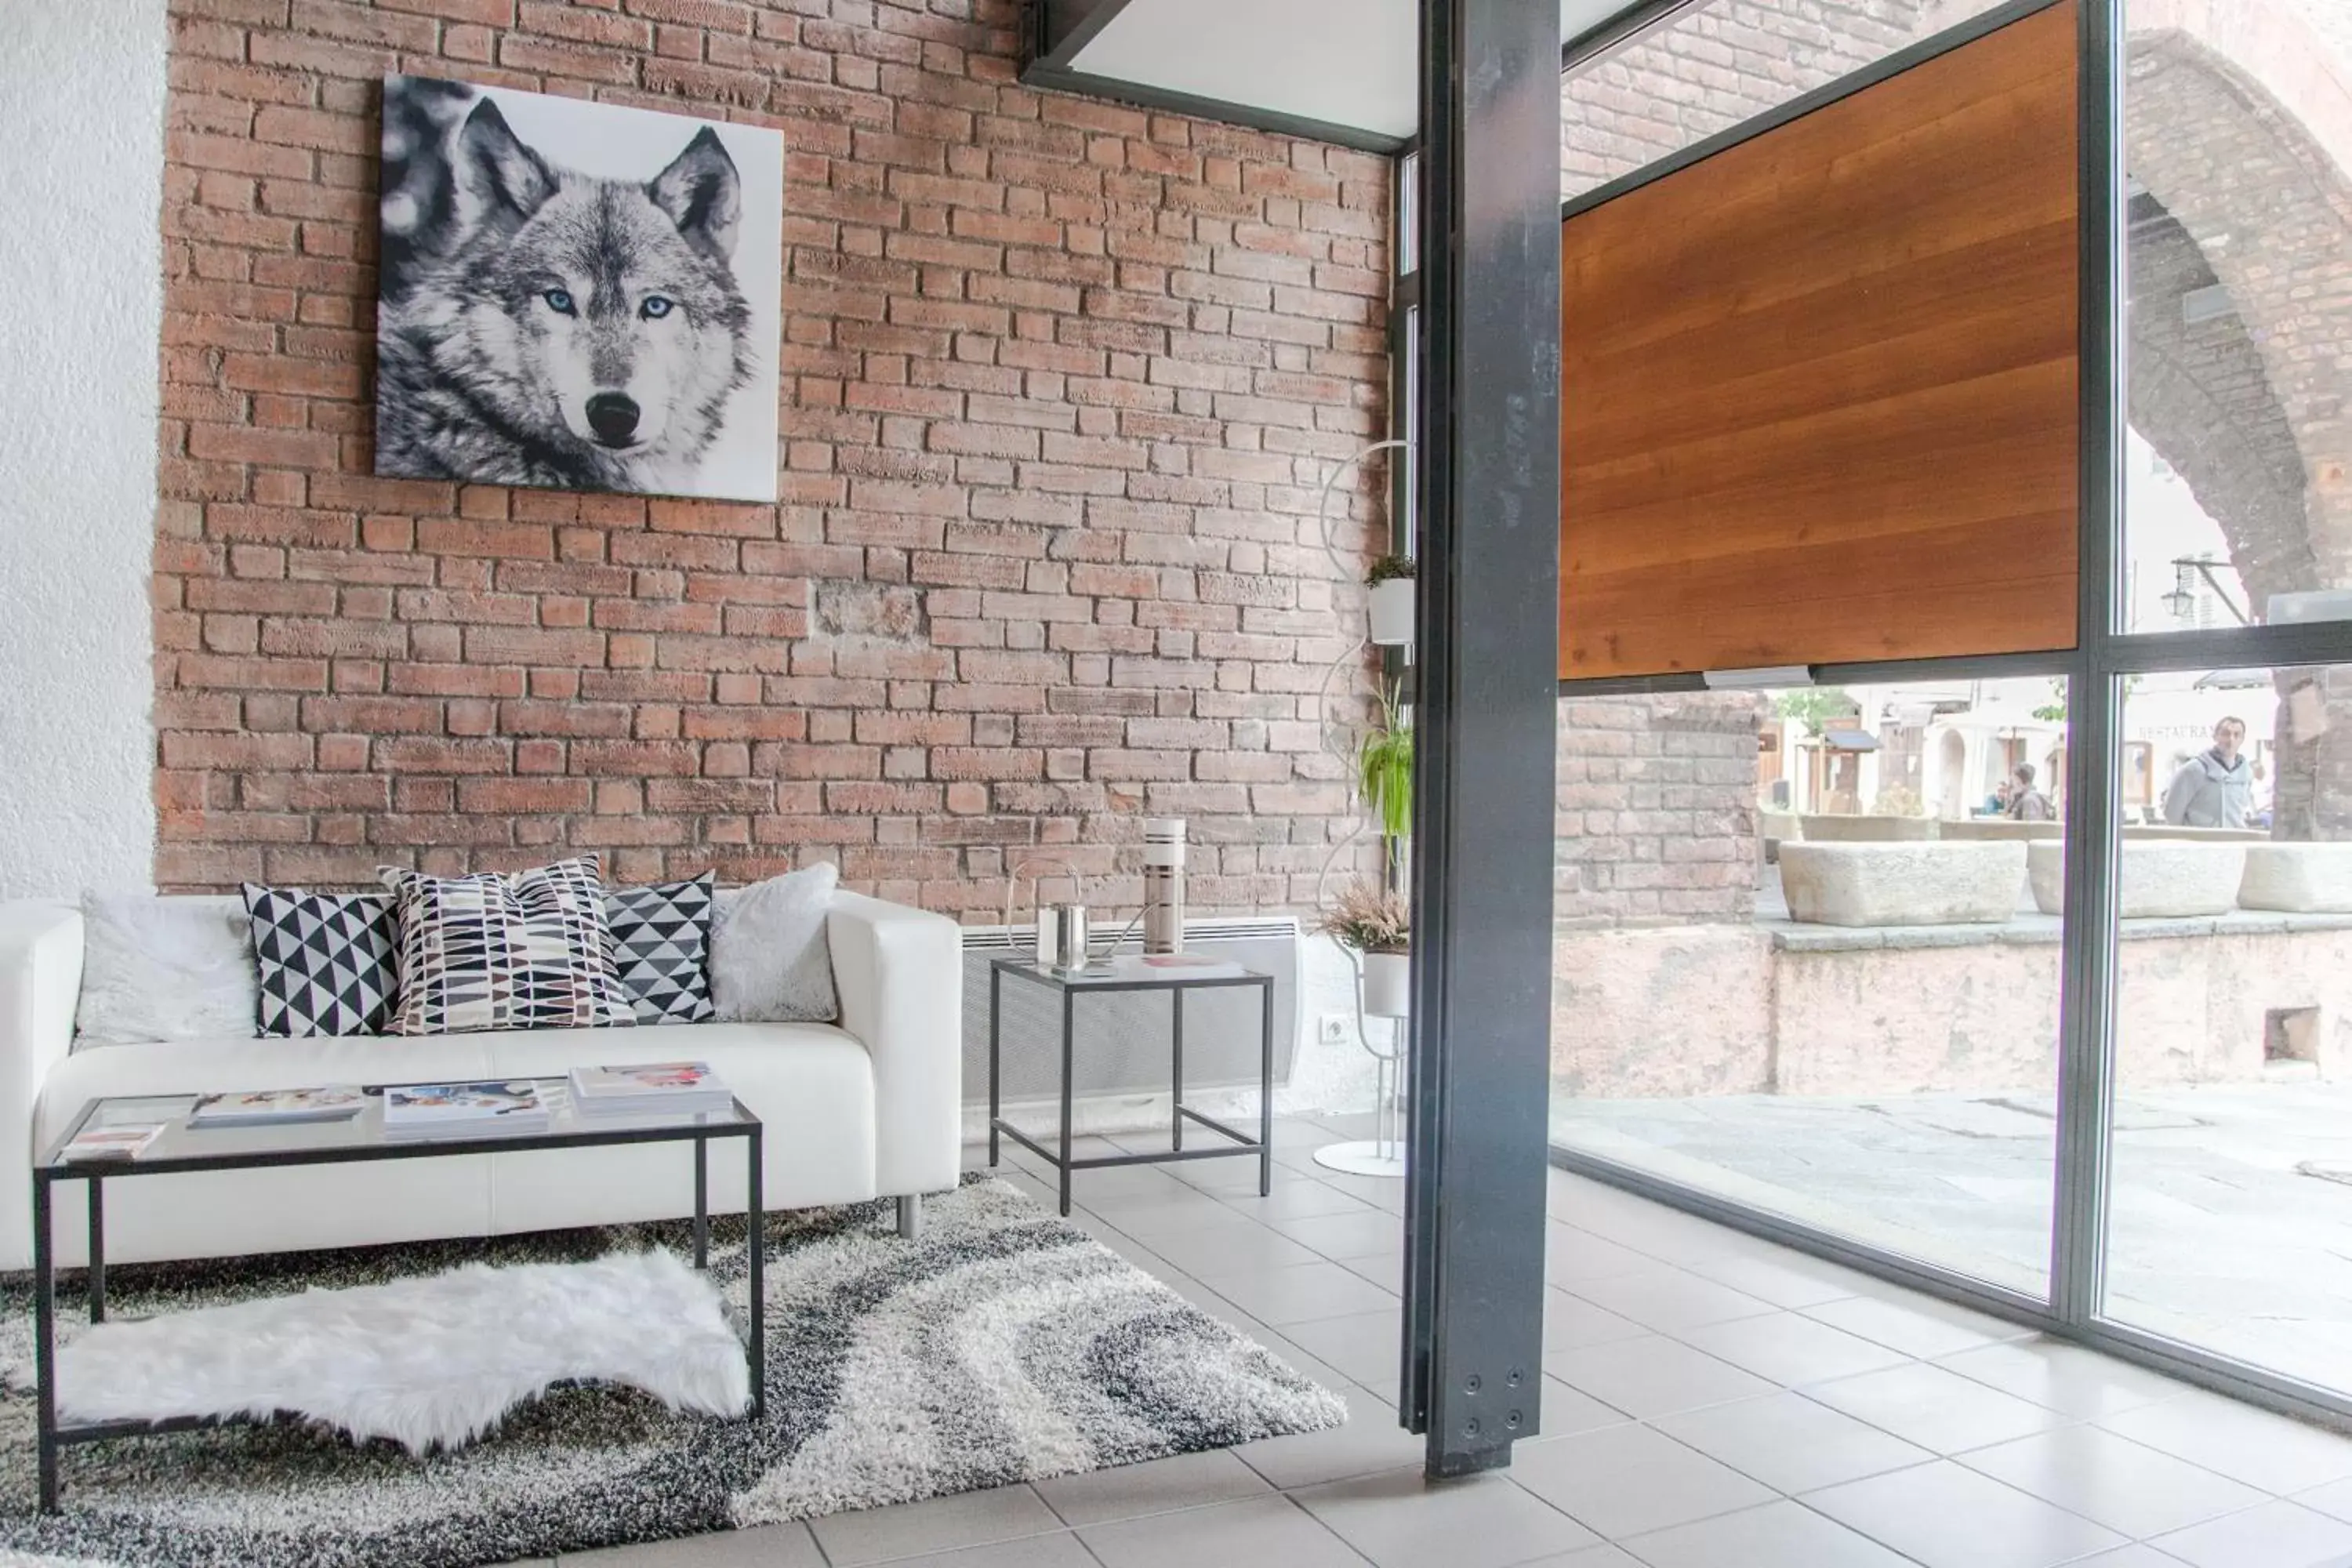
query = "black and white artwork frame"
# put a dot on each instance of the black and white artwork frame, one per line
(577, 295)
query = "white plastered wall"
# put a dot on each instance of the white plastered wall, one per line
(80, 315)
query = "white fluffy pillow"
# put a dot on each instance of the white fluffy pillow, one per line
(769, 962)
(165, 969)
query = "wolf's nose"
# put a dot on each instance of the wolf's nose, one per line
(614, 417)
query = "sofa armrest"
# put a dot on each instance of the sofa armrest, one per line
(41, 983)
(899, 972)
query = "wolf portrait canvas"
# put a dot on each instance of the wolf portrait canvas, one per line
(575, 295)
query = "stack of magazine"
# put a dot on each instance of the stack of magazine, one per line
(277, 1107)
(496, 1109)
(656, 1089)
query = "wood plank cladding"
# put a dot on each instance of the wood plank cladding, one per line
(1818, 390)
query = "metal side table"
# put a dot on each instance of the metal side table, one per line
(1074, 984)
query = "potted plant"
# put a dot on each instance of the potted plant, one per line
(1377, 923)
(1391, 579)
(1384, 769)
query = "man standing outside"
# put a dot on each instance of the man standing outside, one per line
(2215, 788)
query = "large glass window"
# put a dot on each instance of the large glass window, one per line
(2238, 155)
(2230, 1213)
(1808, 956)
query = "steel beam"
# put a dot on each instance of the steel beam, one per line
(1484, 797)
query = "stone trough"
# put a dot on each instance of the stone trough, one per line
(1885, 883)
(2299, 878)
(2163, 878)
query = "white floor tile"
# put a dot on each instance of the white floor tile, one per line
(2276, 1535)
(1778, 1536)
(1158, 1486)
(1946, 1516)
(1399, 1520)
(1790, 1349)
(1790, 1443)
(1625, 1481)
(1921, 1403)
(2131, 1489)
(1653, 1376)
(2237, 1440)
(1264, 1530)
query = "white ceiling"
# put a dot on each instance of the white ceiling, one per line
(1345, 62)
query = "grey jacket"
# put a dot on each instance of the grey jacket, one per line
(2209, 793)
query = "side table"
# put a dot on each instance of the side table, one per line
(1072, 985)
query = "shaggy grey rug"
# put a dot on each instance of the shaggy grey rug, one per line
(1005, 1345)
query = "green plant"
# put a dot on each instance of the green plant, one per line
(1815, 706)
(1370, 918)
(1391, 566)
(1384, 769)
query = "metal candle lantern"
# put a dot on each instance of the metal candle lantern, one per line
(1163, 884)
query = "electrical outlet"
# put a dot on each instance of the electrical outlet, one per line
(1333, 1030)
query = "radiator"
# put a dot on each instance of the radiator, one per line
(1122, 1038)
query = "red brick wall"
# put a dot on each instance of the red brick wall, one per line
(1060, 379)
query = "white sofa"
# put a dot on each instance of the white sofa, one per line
(866, 1108)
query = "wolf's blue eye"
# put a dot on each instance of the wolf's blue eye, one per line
(655, 307)
(559, 302)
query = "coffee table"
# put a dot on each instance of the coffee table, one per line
(181, 1149)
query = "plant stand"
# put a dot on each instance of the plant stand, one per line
(1383, 1154)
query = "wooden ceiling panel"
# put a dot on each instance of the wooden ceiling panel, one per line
(1818, 389)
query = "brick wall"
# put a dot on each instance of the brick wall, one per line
(1657, 810)
(1060, 379)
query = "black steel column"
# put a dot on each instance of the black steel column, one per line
(1484, 796)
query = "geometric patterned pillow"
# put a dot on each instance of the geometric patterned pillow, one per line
(661, 945)
(326, 960)
(527, 951)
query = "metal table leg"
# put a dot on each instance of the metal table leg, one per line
(995, 1014)
(97, 1249)
(755, 1228)
(45, 1341)
(1266, 1092)
(1070, 1022)
(1176, 1072)
(702, 1203)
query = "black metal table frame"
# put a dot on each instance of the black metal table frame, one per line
(1175, 986)
(49, 1171)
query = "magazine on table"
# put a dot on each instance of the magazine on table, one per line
(659, 1088)
(275, 1106)
(492, 1108)
(1175, 966)
(120, 1141)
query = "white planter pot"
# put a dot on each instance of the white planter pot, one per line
(1388, 984)
(1392, 612)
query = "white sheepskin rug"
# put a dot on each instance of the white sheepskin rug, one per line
(430, 1362)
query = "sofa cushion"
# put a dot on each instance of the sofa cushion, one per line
(769, 957)
(325, 960)
(526, 951)
(164, 969)
(661, 946)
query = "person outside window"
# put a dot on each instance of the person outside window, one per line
(2027, 804)
(2215, 788)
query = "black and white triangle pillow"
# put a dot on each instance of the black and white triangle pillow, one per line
(661, 946)
(326, 960)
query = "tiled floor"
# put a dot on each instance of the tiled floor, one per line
(1711, 1400)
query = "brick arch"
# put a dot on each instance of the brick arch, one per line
(2235, 188)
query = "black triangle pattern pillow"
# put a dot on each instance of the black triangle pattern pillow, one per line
(661, 946)
(326, 961)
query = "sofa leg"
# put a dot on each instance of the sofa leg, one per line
(911, 1217)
